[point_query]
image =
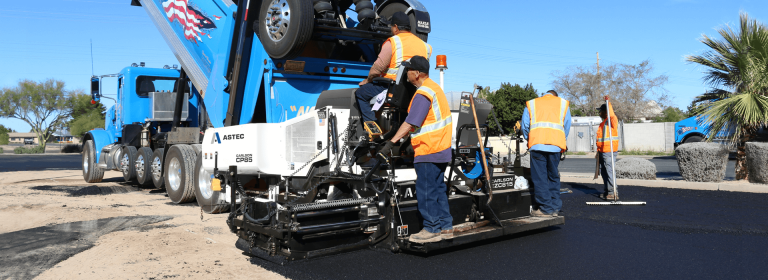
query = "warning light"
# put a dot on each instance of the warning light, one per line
(93, 102)
(441, 62)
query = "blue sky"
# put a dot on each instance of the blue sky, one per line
(487, 42)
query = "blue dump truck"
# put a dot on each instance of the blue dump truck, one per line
(144, 106)
(695, 129)
(278, 137)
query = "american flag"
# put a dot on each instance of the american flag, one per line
(192, 20)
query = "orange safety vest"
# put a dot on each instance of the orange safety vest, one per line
(434, 134)
(547, 115)
(603, 139)
(404, 46)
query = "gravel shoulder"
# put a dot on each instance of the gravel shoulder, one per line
(184, 247)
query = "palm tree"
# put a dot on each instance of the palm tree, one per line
(737, 72)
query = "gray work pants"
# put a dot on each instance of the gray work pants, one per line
(606, 171)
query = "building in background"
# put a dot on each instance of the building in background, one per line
(19, 138)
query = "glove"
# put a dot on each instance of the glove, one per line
(387, 148)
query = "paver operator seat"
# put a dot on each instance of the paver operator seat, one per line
(389, 116)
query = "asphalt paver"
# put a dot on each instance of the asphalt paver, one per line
(679, 234)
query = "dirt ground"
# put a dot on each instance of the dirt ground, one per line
(184, 247)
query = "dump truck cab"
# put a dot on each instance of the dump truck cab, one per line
(144, 103)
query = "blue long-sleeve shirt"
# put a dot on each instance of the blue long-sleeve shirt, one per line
(526, 127)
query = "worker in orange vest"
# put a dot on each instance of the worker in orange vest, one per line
(399, 48)
(430, 127)
(607, 144)
(545, 125)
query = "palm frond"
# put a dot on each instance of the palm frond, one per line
(728, 118)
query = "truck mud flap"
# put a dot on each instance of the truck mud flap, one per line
(508, 227)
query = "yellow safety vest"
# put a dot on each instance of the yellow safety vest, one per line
(404, 46)
(603, 139)
(547, 115)
(434, 134)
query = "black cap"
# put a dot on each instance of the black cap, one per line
(418, 63)
(400, 19)
(602, 108)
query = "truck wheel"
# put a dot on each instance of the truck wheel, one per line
(127, 158)
(285, 27)
(91, 173)
(393, 8)
(693, 139)
(143, 166)
(179, 174)
(157, 168)
(210, 201)
(115, 158)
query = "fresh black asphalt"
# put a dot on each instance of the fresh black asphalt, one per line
(680, 234)
(27, 253)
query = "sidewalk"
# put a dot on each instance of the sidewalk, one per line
(731, 186)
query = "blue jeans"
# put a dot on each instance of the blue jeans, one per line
(546, 181)
(432, 197)
(606, 171)
(364, 95)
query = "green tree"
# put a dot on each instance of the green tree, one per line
(508, 104)
(670, 114)
(4, 138)
(736, 69)
(43, 105)
(85, 116)
(576, 111)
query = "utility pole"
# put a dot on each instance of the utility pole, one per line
(598, 63)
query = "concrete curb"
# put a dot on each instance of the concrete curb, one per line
(592, 156)
(730, 186)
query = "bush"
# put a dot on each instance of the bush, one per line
(1, 150)
(24, 150)
(71, 148)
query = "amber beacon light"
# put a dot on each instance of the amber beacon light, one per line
(441, 62)
(441, 65)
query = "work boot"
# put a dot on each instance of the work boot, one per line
(446, 233)
(425, 236)
(538, 213)
(610, 197)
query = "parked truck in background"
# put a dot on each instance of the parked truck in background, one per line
(695, 129)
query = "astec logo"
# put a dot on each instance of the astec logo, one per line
(217, 139)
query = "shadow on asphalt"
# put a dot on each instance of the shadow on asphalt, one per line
(584, 189)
